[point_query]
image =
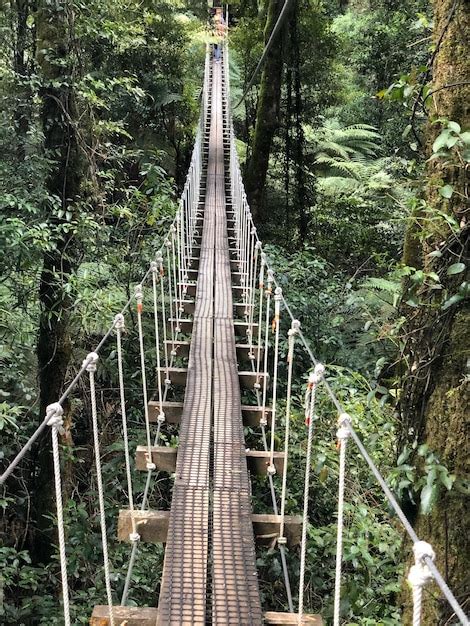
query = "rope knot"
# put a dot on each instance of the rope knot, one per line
(161, 417)
(258, 244)
(54, 413)
(119, 322)
(420, 574)
(153, 267)
(90, 362)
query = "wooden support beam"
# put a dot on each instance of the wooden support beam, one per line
(185, 324)
(128, 615)
(243, 353)
(266, 528)
(258, 461)
(253, 414)
(164, 458)
(188, 306)
(153, 527)
(248, 379)
(189, 286)
(172, 410)
(242, 327)
(178, 376)
(285, 619)
(181, 347)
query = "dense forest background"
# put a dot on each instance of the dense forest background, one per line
(355, 141)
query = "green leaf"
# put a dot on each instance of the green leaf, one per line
(454, 126)
(456, 268)
(428, 495)
(452, 300)
(446, 191)
(441, 141)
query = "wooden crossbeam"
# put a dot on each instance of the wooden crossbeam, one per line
(153, 527)
(164, 458)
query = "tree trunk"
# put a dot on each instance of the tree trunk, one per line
(267, 118)
(59, 115)
(435, 398)
(23, 109)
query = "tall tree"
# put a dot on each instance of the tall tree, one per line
(267, 116)
(57, 68)
(435, 398)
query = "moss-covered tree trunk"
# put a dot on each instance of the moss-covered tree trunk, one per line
(55, 58)
(436, 393)
(267, 117)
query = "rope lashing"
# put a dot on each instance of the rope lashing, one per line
(293, 332)
(277, 317)
(251, 307)
(313, 380)
(139, 298)
(119, 326)
(155, 273)
(54, 416)
(170, 293)
(419, 576)
(343, 433)
(91, 369)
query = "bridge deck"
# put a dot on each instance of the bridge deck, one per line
(209, 573)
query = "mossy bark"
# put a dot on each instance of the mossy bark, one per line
(267, 118)
(67, 167)
(436, 396)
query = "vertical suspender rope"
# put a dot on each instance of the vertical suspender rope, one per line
(175, 283)
(170, 293)
(54, 413)
(164, 319)
(155, 273)
(276, 328)
(134, 536)
(314, 378)
(342, 434)
(91, 369)
(139, 297)
(294, 330)
(268, 293)
(260, 316)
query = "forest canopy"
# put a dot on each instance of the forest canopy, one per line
(354, 141)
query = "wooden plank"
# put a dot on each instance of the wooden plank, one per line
(247, 353)
(266, 528)
(253, 414)
(258, 461)
(152, 526)
(124, 616)
(248, 379)
(164, 458)
(172, 410)
(284, 619)
(181, 347)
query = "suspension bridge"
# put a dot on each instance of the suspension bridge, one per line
(216, 309)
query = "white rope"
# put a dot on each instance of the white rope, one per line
(276, 327)
(120, 327)
(342, 434)
(155, 274)
(139, 298)
(419, 576)
(314, 378)
(294, 330)
(91, 369)
(267, 293)
(54, 413)
(164, 320)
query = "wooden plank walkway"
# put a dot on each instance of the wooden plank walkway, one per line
(209, 573)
